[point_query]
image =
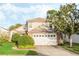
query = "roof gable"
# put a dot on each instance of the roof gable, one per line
(37, 20)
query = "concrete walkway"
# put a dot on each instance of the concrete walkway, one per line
(53, 51)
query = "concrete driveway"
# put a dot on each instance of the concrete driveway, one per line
(53, 51)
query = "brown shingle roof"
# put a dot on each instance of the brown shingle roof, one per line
(37, 20)
(39, 31)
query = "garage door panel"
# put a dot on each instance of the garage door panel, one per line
(44, 41)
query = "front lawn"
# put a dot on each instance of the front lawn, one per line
(6, 49)
(74, 49)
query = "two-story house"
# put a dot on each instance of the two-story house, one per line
(40, 31)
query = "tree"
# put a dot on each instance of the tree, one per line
(60, 26)
(14, 26)
(56, 18)
(18, 25)
(51, 16)
(65, 20)
(72, 16)
(76, 28)
(11, 27)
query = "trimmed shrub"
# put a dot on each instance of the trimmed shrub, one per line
(14, 26)
(23, 41)
(15, 37)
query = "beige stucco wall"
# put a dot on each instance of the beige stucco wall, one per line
(74, 37)
(36, 24)
(41, 40)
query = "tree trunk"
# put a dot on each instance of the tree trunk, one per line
(64, 38)
(59, 38)
(70, 41)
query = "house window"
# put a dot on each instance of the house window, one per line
(39, 35)
(45, 35)
(51, 35)
(54, 35)
(42, 35)
(34, 35)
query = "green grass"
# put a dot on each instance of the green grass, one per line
(6, 49)
(74, 49)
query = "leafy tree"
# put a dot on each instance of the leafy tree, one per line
(51, 16)
(65, 20)
(56, 18)
(76, 28)
(17, 25)
(14, 26)
(71, 15)
(11, 27)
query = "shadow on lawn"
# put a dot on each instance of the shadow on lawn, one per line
(34, 53)
(39, 54)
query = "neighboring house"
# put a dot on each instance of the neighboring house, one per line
(75, 38)
(4, 33)
(20, 30)
(40, 31)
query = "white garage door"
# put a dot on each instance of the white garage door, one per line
(45, 39)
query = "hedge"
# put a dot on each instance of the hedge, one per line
(15, 37)
(25, 40)
(22, 41)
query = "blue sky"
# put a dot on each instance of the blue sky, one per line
(20, 12)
